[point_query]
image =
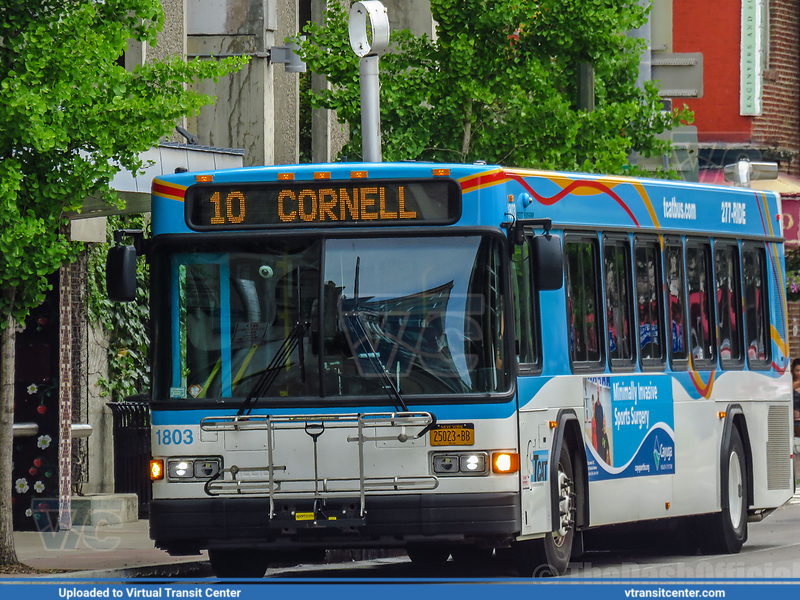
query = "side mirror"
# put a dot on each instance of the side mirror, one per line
(548, 262)
(121, 274)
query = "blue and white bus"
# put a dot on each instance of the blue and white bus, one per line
(456, 359)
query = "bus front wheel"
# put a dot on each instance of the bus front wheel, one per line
(549, 556)
(726, 531)
(238, 563)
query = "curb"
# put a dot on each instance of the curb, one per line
(162, 571)
(202, 569)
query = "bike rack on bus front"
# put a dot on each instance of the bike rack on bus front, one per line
(315, 425)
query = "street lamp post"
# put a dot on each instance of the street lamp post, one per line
(369, 38)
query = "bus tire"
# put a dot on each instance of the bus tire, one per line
(238, 562)
(726, 531)
(549, 556)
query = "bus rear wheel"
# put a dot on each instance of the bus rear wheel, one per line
(726, 531)
(238, 563)
(549, 556)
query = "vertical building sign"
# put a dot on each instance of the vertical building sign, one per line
(751, 58)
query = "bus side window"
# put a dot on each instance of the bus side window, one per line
(649, 322)
(701, 295)
(524, 298)
(756, 307)
(676, 310)
(619, 320)
(585, 339)
(729, 310)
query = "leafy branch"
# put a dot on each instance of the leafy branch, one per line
(126, 323)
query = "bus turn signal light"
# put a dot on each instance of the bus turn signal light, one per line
(156, 469)
(505, 462)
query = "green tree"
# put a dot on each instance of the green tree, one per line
(70, 117)
(499, 83)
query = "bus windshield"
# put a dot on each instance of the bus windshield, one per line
(334, 318)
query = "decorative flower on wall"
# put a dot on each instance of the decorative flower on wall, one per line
(21, 485)
(38, 487)
(32, 389)
(44, 441)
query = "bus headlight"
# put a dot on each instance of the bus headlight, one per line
(193, 468)
(460, 463)
(180, 469)
(205, 469)
(473, 463)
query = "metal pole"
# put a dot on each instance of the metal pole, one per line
(369, 40)
(370, 108)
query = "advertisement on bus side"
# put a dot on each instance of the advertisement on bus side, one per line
(628, 427)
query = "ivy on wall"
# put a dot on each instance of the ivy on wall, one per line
(126, 323)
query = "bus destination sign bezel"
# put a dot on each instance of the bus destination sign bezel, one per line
(322, 203)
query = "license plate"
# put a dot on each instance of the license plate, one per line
(462, 434)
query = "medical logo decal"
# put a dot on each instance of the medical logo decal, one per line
(628, 427)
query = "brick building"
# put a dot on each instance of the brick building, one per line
(750, 103)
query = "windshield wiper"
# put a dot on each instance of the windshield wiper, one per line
(368, 353)
(278, 362)
(274, 367)
(356, 327)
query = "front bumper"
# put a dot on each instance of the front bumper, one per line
(189, 525)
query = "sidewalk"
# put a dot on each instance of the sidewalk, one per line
(116, 551)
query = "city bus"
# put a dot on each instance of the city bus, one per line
(459, 360)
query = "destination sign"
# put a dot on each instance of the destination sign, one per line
(323, 203)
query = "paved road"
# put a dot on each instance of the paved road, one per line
(772, 551)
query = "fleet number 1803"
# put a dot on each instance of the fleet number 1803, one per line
(169, 437)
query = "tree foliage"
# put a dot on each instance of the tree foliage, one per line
(71, 117)
(126, 323)
(499, 83)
